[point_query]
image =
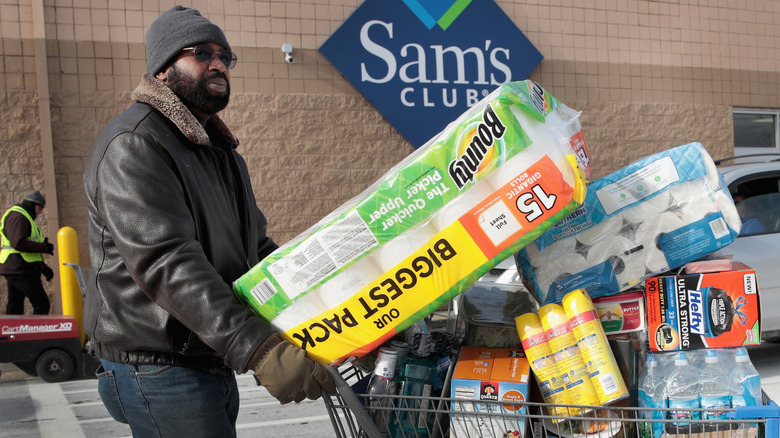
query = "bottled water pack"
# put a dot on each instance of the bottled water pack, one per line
(714, 380)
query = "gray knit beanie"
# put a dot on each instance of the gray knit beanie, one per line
(175, 29)
(36, 198)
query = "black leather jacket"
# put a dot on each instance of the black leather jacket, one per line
(172, 222)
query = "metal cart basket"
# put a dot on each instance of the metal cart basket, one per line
(409, 416)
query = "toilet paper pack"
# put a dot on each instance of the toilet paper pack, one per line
(488, 184)
(656, 214)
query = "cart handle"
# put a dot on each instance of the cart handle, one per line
(82, 280)
(351, 400)
(770, 412)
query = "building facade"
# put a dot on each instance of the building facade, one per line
(647, 75)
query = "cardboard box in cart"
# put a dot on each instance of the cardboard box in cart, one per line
(703, 310)
(489, 375)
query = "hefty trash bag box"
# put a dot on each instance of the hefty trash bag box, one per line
(484, 377)
(487, 185)
(656, 214)
(705, 310)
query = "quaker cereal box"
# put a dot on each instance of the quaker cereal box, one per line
(482, 378)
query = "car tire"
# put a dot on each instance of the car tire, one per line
(54, 366)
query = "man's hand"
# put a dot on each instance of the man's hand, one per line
(48, 274)
(49, 247)
(289, 375)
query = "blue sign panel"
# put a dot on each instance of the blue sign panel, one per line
(422, 63)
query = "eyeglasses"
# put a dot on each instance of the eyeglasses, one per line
(206, 54)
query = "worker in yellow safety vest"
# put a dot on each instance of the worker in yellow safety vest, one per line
(21, 256)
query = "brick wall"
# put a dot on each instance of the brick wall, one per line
(621, 133)
(647, 75)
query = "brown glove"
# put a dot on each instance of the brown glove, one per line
(287, 373)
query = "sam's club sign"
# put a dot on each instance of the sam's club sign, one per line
(422, 63)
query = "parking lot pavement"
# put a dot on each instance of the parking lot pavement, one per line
(32, 408)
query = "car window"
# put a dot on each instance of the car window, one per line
(758, 215)
(758, 204)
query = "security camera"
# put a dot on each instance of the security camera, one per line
(287, 49)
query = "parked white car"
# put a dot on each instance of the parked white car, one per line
(754, 182)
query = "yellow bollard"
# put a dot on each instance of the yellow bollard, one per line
(72, 303)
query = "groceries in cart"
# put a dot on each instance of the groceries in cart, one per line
(563, 381)
(661, 357)
(488, 184)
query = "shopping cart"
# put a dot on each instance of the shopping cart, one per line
(361, 415)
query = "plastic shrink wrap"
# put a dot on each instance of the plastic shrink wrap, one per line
(656, 214)
(491, 182)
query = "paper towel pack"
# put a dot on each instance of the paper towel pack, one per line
(488, 184)
(656, 214)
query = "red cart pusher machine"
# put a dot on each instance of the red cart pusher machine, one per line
(53, 346)
(44, 345)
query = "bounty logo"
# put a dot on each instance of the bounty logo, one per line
(422, 63)
(478, 144)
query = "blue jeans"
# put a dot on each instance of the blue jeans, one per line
(169, 401)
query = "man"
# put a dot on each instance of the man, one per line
(749, 213)
(21, 257)
(172, 222)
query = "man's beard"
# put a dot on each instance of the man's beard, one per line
(194, 93)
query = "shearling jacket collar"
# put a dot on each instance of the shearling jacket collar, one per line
(154, 92)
